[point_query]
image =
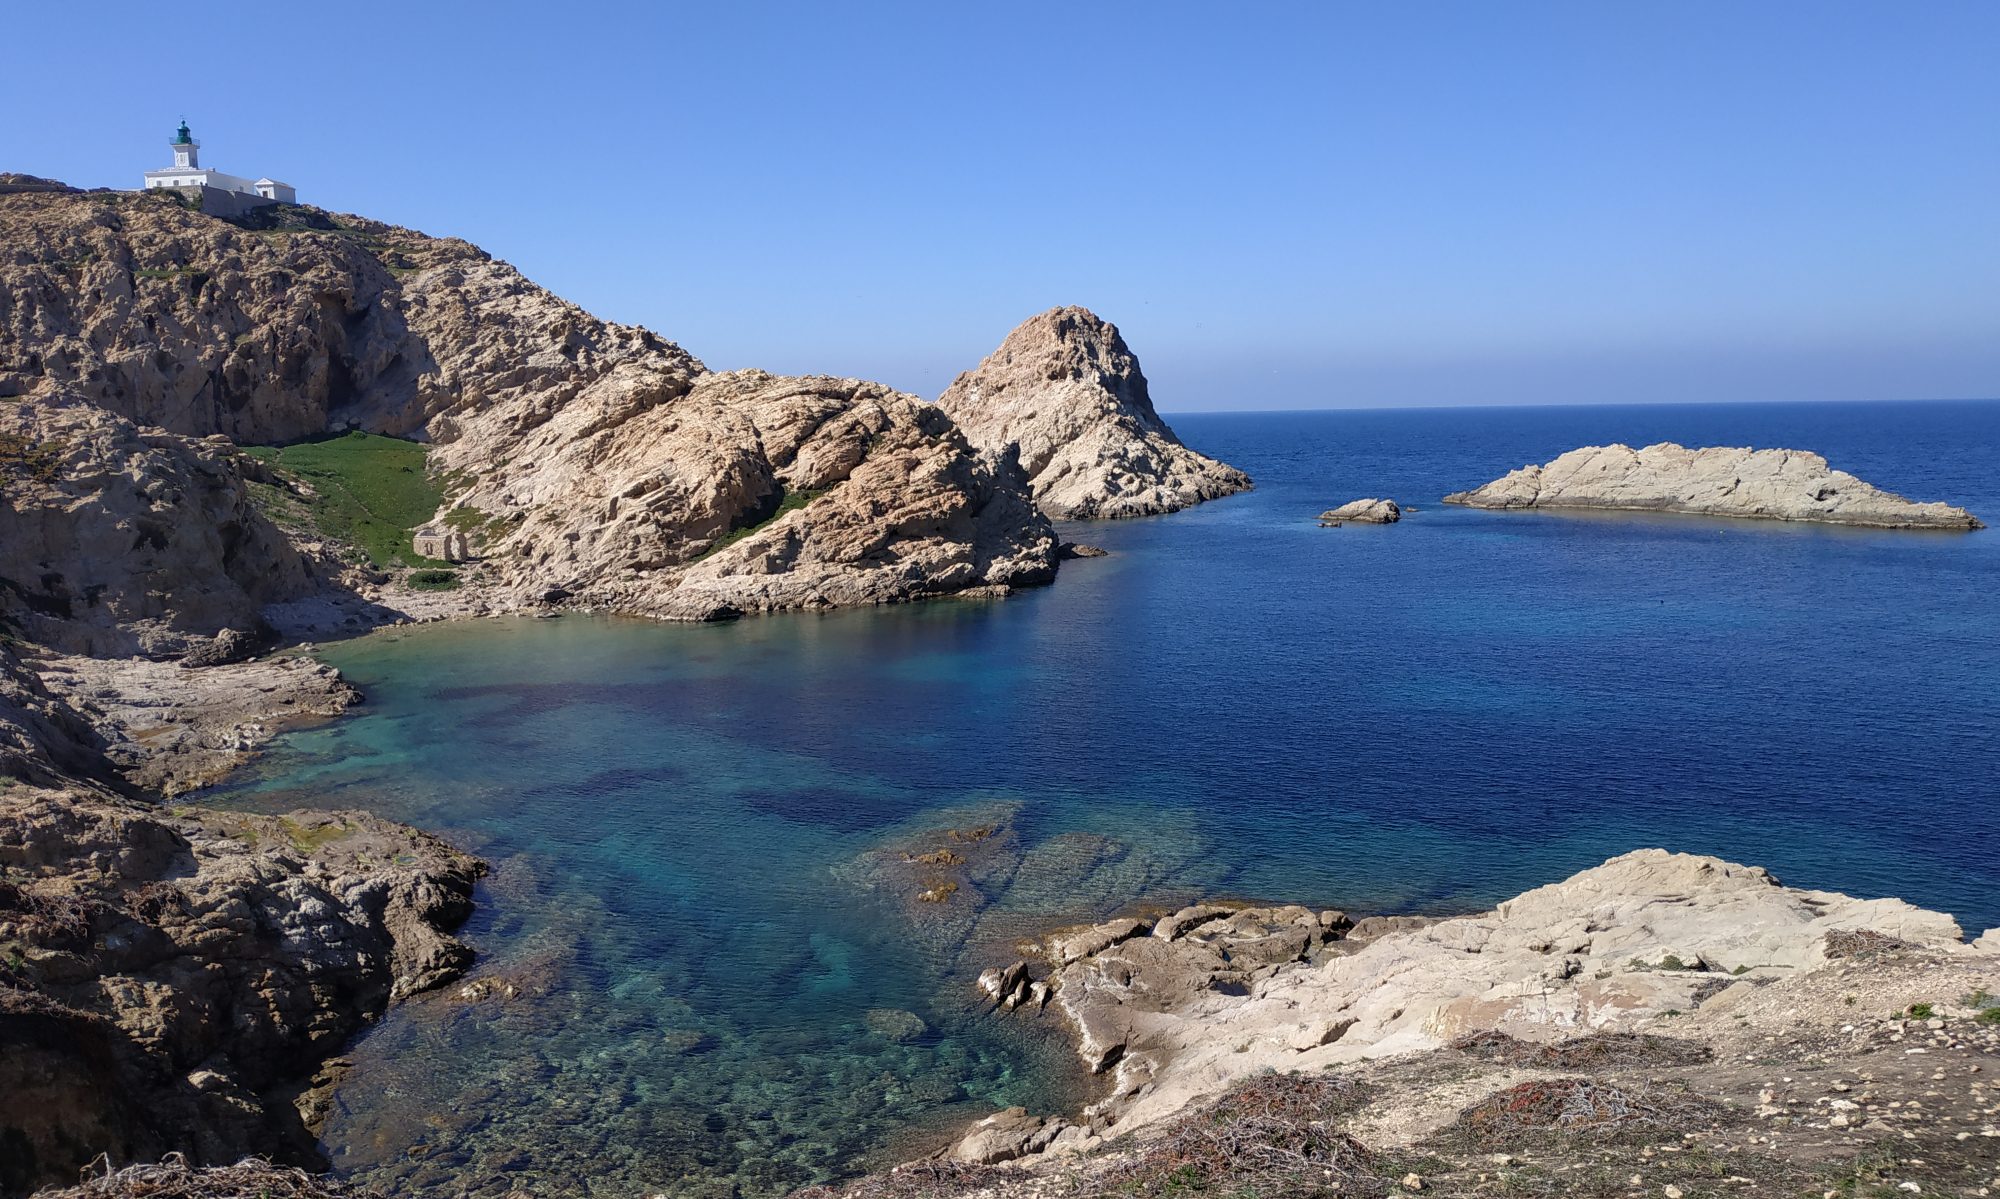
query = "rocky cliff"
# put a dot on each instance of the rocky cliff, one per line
(1764, 484)
(1066, 392)
(591, 462)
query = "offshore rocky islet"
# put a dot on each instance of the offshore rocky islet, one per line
(393, 345)
(1772, 484)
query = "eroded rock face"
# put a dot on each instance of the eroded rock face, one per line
(1763, 484)
(195, 325)
(666, 492)
(167, 976)
(1366, 512)
(1218, 993)
(594, 461)
(118, 540)
(1066, 390)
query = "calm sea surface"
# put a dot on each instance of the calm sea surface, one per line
(685, 822)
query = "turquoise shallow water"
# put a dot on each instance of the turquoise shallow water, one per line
(684, 820)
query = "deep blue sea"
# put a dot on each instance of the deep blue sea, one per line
(1429, 716)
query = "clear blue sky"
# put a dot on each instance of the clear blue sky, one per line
(1283, 205)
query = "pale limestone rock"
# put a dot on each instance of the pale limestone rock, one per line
(171, 729)
(1181, 1019)
(1005, 1136)
(1066, 391)
(1187, 918)
(1766, 484)
(1095, 939)
(1365, 512)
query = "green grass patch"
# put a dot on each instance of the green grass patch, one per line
(433, 580)
(788, 501)
(1922, 1011)
(372, 491)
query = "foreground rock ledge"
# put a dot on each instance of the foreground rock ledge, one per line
(1179, 1010)
(1717, 481)
(170, 980)
(1066, 392)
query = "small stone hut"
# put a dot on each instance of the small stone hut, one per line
(441, 542)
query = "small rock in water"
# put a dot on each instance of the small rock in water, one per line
(1367, 512)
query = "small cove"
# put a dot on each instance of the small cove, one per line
(1426, 717)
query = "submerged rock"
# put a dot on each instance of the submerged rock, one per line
(895, 1024)
(1762, 484)
(1067, 393)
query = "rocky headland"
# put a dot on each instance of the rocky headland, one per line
(587, 462)
(1663, 1023)
(1066, 393)
(1762, 484)
(176, 979)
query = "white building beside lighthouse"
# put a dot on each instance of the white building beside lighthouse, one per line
(236, 192)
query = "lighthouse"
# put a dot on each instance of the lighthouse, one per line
(187, 151)
(220, 194)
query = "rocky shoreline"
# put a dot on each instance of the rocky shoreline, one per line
(180, 980)
(160, 588)
(1719, 1013)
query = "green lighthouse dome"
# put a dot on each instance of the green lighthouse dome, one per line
(181, 136)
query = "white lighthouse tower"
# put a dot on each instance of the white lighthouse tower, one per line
(187, 151)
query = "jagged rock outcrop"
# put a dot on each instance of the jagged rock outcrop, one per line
(167, 729)
(694, 495)
(121, 540)
(44, 740)
(592, 461)
(166, 979)
(1365, 512)
(154, 312)
(1066, 390)
(1764, 484)
(1217, 993)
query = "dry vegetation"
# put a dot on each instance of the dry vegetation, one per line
(251, 1178)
